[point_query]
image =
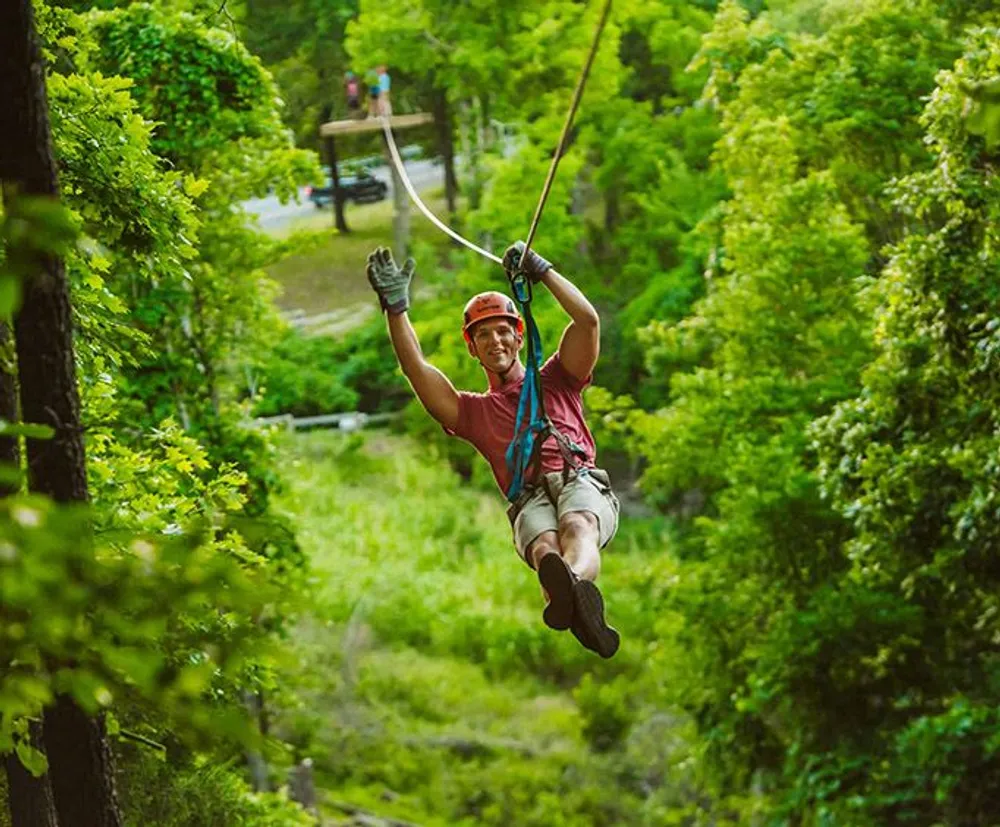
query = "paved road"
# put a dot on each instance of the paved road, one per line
(273, 215)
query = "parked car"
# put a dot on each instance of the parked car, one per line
(361, 188)
(411, 152)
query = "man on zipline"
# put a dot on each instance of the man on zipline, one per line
(564, 516)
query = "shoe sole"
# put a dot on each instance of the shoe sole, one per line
(557, 580)
(581, 635)
(589, 605)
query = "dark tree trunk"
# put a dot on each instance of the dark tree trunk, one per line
(259, 774)
(80, 763)
(81, 767)
(9, 449)
(338, 195)
(611, 209)
(446, 145)
(29, 798)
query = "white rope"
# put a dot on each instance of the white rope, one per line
(398, 162)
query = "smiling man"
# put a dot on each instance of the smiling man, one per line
(560, 521)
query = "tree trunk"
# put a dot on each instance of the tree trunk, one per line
(259, 776)
(80, 764)
(302, 787)
(489, 133)
(338, 196)
(578, 207)
(81, 767)
(29, 798)
(612, 205)
(446, 146)
(10, 453)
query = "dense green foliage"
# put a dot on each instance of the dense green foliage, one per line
(164, 597)
(305, 375)
(786, 212)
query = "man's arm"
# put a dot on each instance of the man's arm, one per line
(581, 341)
(392, 284)
(432, 387)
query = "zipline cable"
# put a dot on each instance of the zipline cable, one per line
(398, 163)
(546, 188)
(577, 95)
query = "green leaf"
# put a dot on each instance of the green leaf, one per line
(27, 430)
(33, 759)
(10, 295)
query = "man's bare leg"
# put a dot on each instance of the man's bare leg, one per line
(579, 537)
(556, 580)
(544, 543)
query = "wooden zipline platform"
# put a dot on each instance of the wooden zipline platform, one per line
(328, 130)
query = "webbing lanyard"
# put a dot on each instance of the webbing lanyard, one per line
(531, 425)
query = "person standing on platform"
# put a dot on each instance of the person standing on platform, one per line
(384, 84)
(352, 90)
(372, 83)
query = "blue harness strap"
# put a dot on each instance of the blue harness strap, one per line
(532, 426)
(531, 423)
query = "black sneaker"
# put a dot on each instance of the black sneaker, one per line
(557, 579)
(581, 635)
(589, 625)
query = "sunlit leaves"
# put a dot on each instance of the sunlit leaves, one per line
(788, 627)
(89, 614)
(216, 108)
(911, 461)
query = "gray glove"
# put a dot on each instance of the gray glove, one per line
(534, 267)
(392, 283)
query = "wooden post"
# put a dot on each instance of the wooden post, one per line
(401, 210)
(338, 199)
(301, 787)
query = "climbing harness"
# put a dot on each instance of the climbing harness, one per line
(532, 426)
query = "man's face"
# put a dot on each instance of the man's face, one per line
(496, 342)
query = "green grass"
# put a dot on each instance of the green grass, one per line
(426, 683)
(421, 679)
(330, 275)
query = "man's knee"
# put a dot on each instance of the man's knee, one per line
(579, 526)
(544, 543)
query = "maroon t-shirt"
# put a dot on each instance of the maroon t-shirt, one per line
(486, 420)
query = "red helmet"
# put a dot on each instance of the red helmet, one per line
(490, 305)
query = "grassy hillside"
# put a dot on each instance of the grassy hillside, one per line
(429, 689)
(329, 273)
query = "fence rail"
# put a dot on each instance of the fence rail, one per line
(350, 421)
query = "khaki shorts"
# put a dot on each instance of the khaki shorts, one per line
(539, 508)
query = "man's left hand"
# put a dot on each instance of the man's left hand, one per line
(392, 283)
